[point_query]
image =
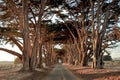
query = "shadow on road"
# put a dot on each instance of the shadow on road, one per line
(59, 72)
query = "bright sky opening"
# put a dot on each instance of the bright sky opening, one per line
(4, 56)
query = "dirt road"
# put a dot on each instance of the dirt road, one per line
(60, 73)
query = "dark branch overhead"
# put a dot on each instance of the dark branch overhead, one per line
(60, 31)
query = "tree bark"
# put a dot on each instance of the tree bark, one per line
(26, 56)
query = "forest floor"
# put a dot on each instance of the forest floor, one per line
(8, 71)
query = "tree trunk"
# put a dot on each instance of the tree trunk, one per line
(34, 54)
(97, 56)
(39, 65)
(26, 56)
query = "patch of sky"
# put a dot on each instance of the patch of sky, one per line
(73, 3)
(108, 1)
(58, 46)
(115, 52)
(4, 56)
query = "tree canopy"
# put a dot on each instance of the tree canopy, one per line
(86, 28)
